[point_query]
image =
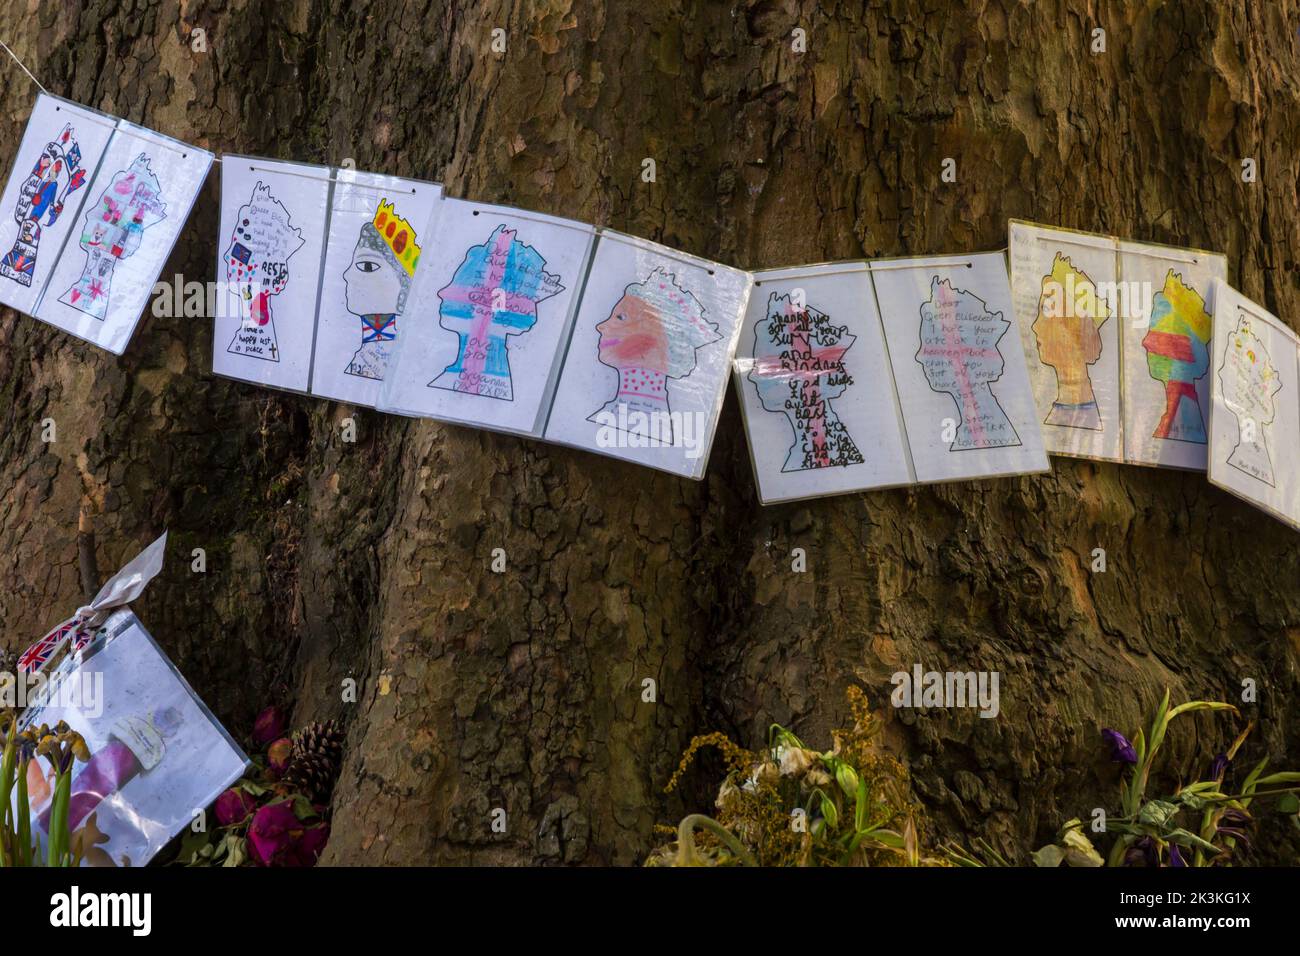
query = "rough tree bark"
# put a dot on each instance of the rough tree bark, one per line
(522, 690)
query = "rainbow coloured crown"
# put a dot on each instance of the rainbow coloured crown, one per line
(399, 236)
(1185, 303)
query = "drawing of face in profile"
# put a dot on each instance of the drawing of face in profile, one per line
(1178, 354)
(1250, 386)
(257, 269)
(649, 337)
(798, 369)
(1070, 316)
(959, 355)
(113, 230)
(56, 174)
(376, 283)
(493, 295)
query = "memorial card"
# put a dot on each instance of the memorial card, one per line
(816, 388)
(489, 317)
(269, 252)
(1255, 412)
(647, 366)
(959, 367)
(378, 232)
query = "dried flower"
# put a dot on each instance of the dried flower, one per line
(271, 832)
(794, 761)
(234, 806)
(269, 725)
(277, 837)
(278, 755)
(60, 746)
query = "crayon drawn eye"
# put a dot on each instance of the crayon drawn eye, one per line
(367, 265)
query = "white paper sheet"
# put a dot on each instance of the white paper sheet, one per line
(1255, 411)
(48, 182)
(1063, 284)
(138, 203)
(647, 366)
(157, 754)
(273, 220)
(377, 238)
(816, 388)
(958, 366)
(1167, 306)
(489, 316)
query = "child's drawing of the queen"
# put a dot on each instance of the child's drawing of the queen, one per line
(650, 336)
(257, 269)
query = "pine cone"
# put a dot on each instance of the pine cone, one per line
(316, 761)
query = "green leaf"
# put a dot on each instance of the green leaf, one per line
(1157, 813)
(888, 838)
(1274, 778)
(1188, 839)
(302, 808)
(1193, 705)
(1289, 803)
(238, 852)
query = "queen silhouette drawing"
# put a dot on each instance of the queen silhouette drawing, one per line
(650, 336)
(1068, 333)
(1178, 354)
(959, 354)
(377, 282)
(56, 174)
(798, 369)
(113, 230)
(1250, 387)
(492, 297)
(257, 270)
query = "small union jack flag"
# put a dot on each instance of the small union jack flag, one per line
(36, 656)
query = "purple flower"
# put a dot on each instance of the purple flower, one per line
(1234, 824)
(1175, 858)
(234, 806)
(277, 837)
(268, 726)
(1219, 767)
(308, 849)
(1121, 751)
(271, 832)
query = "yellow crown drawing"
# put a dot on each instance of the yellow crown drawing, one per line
(1186, 303)
(398, 235)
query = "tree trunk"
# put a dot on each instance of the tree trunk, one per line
(524, 690)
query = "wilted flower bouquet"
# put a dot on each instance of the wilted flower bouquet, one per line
(278, 814)
(793, 806)
(24, 784)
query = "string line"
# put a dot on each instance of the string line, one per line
(23, 66)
